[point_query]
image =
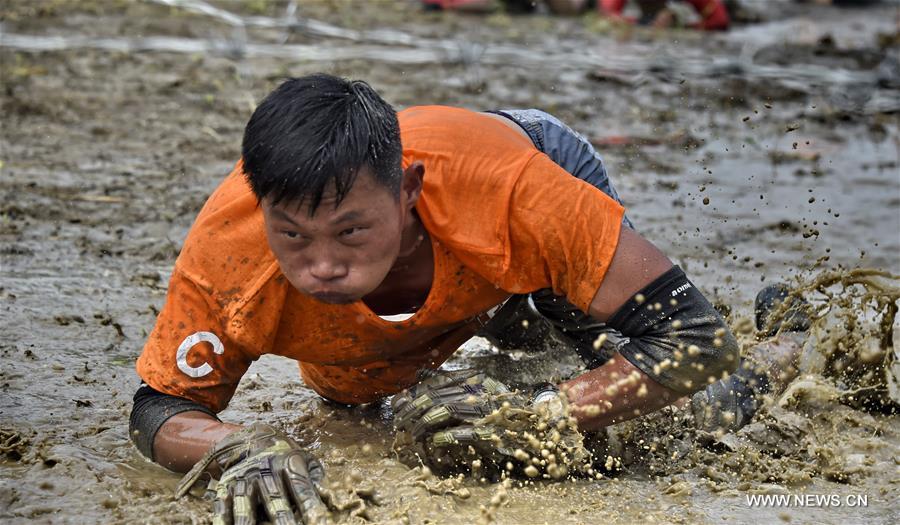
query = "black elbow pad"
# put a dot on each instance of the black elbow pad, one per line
(151, 410)
(675, 335)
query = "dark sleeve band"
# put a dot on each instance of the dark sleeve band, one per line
(675, 335)
(151, 410)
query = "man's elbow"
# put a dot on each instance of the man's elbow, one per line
(727, 353)
(711, 359)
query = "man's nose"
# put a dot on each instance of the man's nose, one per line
(327, 269)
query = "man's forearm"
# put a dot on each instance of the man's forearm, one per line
(173, 431)
(618, 390)
(614, 392)
(673, 333)
(186, 437)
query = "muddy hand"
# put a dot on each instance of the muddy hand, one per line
(465, 419)
(510, 437)
(543, 408)
(262, 468)
(448, 399)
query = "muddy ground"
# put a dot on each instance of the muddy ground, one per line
(766, 154)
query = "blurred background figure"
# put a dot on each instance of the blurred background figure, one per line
(713, 14)
(485, 6)
(663, 13)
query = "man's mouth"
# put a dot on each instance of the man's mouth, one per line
(333, 297)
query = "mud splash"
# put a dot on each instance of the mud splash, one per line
(847, 363)
(837, 421)
(518, 440)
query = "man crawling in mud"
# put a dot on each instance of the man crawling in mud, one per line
(368, 245)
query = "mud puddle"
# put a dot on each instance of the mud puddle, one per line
(764, 155)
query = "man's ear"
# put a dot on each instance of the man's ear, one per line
(411, 185)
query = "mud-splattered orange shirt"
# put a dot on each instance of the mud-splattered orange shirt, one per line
(503, 219)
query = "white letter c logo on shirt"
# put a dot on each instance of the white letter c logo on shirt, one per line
(188, 343)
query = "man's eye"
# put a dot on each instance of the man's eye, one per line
(351, 231)
(290, 234)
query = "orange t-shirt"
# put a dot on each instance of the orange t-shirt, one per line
(503, 218)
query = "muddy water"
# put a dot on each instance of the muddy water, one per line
(767, 154)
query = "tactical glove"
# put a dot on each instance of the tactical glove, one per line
(262, 466)
(465, 420)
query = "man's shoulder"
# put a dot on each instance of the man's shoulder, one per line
(472, 162)
(423, 114)
(452, 125)
(226, 253)
(460, 145)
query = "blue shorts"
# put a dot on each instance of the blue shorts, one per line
(567, 148)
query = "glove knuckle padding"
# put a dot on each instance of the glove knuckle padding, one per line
(241, 503)
(315, 468)
(675, 335)
(419, 401)
(261, 464)
(479, 418)
(222, 505)
(444, 401)
(299, 475)
(295, 465)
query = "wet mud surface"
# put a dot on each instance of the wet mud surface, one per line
(767, 154)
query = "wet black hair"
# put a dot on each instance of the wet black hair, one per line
(315, 133)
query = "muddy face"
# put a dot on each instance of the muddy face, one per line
(339, 252)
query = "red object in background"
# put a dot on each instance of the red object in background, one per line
(611, 7)
(713, 14)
